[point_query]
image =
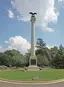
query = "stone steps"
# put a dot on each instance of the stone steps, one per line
(33, 68)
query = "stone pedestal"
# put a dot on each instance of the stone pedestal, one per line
(33, 64)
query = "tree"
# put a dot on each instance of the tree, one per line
(20, 60)
(42, 60)
(40, 43)
(27, 56)
(43, 51)
(53, 51)
(4, 59)
(16, 59)
(12, 52)
(40, 46)
(58, 61)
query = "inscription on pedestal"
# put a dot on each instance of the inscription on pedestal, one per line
(33, 61)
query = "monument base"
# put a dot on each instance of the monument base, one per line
(33, 68)
(33, 64)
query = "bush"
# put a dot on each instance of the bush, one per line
(3, 67)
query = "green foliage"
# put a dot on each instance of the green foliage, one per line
(4, 59)
(53, 57)
(42, 53)
(53, 52)
(12, 58)
(27, 56)
(58, 61)
(40, 43)
(42, 60)
(3, 67)
(19, 60)
(12, 52)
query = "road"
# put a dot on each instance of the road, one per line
(4, 84)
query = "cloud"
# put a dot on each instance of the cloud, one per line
(47, 29)
(61, 3)
(45, 11)
(19, 43)
(2, 49)
(10, 14)
(60, 0)
(5, 41)
(49, 47)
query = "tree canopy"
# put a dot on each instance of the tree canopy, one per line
(53, 57)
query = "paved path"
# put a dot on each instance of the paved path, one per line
(4, 84)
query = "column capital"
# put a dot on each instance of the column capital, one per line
(33, 19)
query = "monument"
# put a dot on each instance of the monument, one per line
(33, 59)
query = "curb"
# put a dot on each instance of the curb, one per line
(28, 82)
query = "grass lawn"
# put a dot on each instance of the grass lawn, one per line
(46, 74)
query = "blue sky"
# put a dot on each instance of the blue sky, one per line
(11, 27)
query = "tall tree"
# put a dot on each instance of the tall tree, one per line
(42, 51)
(40, 46)
(40, 43)
(53, 51)
(58, 61)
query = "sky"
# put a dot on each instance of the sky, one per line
(15, 26)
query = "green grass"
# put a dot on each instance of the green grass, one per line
(46, 74)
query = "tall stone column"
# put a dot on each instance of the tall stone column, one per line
(33, 19)
(33, 59)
